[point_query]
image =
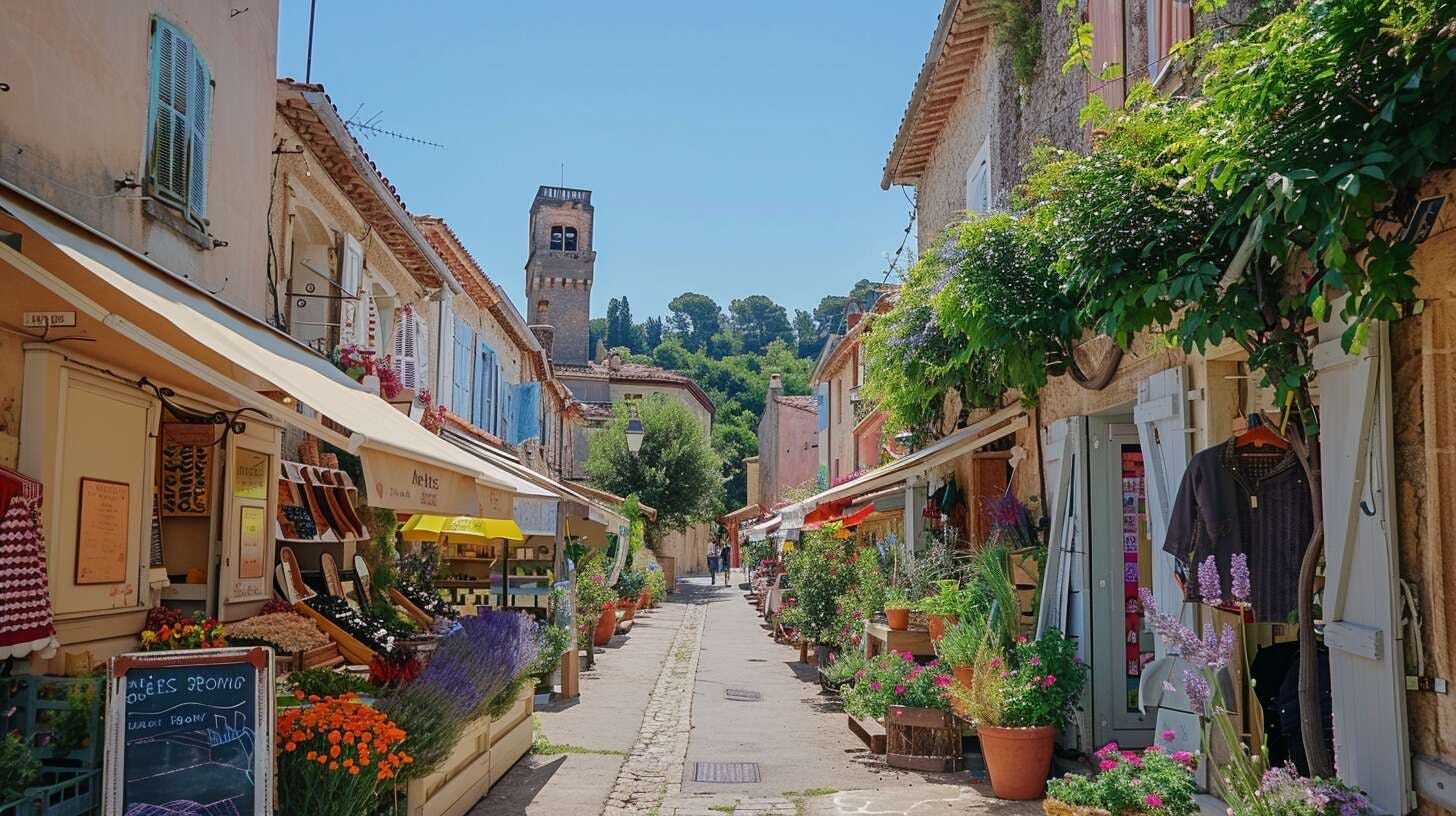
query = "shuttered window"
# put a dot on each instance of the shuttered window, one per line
(178, 121)
(1109, 48)
(483, 415)
(462, 374)
(1169, 23)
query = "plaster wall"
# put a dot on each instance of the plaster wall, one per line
(787, 457)
(75, 121)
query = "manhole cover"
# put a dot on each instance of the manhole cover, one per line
(725, 772)
(742, 695)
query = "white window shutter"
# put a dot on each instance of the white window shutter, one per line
(403, 356)
(351, 274)
(1061, 464)
(1161, 415)
(171, 93)
(422, 354)
(1361, 597)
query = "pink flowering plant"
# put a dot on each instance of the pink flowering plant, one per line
(1045, 681)
(1248, 784)
(821, 569)
(1153, 781)
(863, 596)
(896, 679)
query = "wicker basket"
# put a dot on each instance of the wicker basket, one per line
(1052, 807)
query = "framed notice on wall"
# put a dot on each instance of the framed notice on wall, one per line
(102, 534)
(252, 538)
(190, 732)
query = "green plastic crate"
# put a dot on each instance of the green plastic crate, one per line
(59, 792)
(39, 700)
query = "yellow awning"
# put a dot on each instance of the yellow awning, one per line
(424, 527)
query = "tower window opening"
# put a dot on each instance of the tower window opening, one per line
(571, 239)
(556, 237)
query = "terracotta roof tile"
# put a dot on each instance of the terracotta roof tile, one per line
(807, 403)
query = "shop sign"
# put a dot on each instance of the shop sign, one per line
(411, 486)
(190, 732)
(102, 532)
(47, 320)
(250, 474)
(535, 516)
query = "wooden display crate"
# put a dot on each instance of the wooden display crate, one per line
(352, 649)
(870, 732)
(922, 739)
(415, 613)
(487, 749)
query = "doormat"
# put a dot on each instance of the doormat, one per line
(725, 772)
(742, 695)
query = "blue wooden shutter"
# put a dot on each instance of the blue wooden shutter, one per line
(461, 357)
(201, 79)
(525, 412)
(484, 388)
(169, 131)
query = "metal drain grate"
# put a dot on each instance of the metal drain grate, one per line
(742, 695)
(725, 772)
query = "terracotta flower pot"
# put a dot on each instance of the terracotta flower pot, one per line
(606, 625)
(1018, 760)
(899, 619)
(644, 601)
(936, 625)
(629, 609)
(965, 675)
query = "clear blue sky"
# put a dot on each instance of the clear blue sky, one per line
(732, 149)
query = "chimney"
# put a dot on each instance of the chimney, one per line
(545, 335)
(775, 385)
(614, 362)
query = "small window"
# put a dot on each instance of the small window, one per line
(557, 238)
(179, 110)
(978, 180)
(571, 239)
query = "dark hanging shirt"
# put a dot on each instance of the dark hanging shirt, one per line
(1237, 501)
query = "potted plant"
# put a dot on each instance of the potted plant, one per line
(1019, 701)
(959, 647)
(1127, 784)
(914, 703)
(897, 609)
(629, 589)
(606, 624)
(942, 607)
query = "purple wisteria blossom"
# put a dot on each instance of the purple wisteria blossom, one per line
(1209, 585)
(1239, 579)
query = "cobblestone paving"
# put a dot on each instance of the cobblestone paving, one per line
(710, 805)
(653, 772)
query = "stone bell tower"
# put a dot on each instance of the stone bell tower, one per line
(559, 270)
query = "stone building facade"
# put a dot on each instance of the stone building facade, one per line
(788, 438)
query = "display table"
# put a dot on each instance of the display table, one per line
(879, 638)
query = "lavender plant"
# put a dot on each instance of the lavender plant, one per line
(1249, 785)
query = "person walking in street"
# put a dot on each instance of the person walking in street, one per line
(712, 564)
(725, 561)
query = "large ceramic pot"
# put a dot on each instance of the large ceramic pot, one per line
(936, 624)
(899, 619)
(1018, 760)
(644, 600)
(629, 609)
(606, 625)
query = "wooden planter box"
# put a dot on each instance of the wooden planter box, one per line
(487, 749)
(325, 655)
(870, 732)
(415, 613)
(922, 739)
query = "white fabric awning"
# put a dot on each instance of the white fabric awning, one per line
(760, 531)
(209, 338)
(1000, 424)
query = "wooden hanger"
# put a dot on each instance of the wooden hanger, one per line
(1260, 435)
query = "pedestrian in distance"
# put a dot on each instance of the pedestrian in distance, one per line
(725, 561)
(712, 565)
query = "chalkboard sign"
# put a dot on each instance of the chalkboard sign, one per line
(190, 733)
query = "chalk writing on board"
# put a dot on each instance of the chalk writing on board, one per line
(189, 736)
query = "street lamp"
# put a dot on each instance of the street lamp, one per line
(634, 432)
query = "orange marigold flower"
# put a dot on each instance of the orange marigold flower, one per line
(290, 746)
(334, 737)
(311, 756)
(298, 693)
(334, 751)
(333, 766)
(353, 771)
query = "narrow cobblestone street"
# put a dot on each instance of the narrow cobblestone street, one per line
(657, 703)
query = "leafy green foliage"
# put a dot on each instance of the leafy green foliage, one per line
(1130, 783)
(676, 471)
(592, 595)
(1240, 215)
(896, 679)
(18, 766)
(820, 571)
(1018, 28)
(842, 668)
(1046, 680)
(760, 321)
